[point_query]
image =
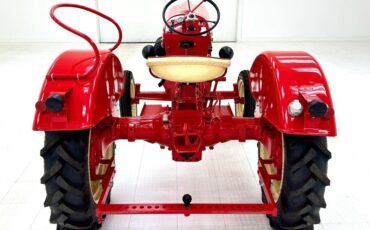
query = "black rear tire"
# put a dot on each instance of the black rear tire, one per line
(304, 182)
(67, 182)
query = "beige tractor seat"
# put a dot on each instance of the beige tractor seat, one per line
(188, 69)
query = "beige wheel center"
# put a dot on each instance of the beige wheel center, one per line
(101, 169)
(275, 185)
(132, 95)
(96, 185)
(239, 107)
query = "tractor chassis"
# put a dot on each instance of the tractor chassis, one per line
(286, 107)
(155, 127)
(180, 208)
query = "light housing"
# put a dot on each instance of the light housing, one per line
(55, 103)
(295, 108)
(318, 108)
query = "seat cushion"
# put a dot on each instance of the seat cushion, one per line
(188, 69)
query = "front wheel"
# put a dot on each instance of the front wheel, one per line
(246, 107)
(128, 107)
(299, 195)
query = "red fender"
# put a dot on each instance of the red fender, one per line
(88, 99)
(278, 78)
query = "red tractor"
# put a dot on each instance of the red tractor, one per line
(88, 102)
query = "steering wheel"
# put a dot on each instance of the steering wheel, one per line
(190, 16)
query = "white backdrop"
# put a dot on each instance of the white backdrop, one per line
(304, 20)
(142, 20)
(28, 20)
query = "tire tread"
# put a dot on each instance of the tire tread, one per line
(306, 170)
(71, 203)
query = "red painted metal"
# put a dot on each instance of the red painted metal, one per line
(241, 128)
(278, 78)
(99, 142)
(95, 101)
(91, 83)
(172, 41)
(85, 75)
(84, 36)
(208, 208)
(156, 96)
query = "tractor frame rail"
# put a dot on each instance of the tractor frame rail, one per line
(103, 209)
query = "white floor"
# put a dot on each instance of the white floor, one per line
(147, 174)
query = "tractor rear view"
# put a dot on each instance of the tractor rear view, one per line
(88, 101)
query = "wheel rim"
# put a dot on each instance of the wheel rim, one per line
(275, 185)
(96, 186)
(239, 107)
(132, 95)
